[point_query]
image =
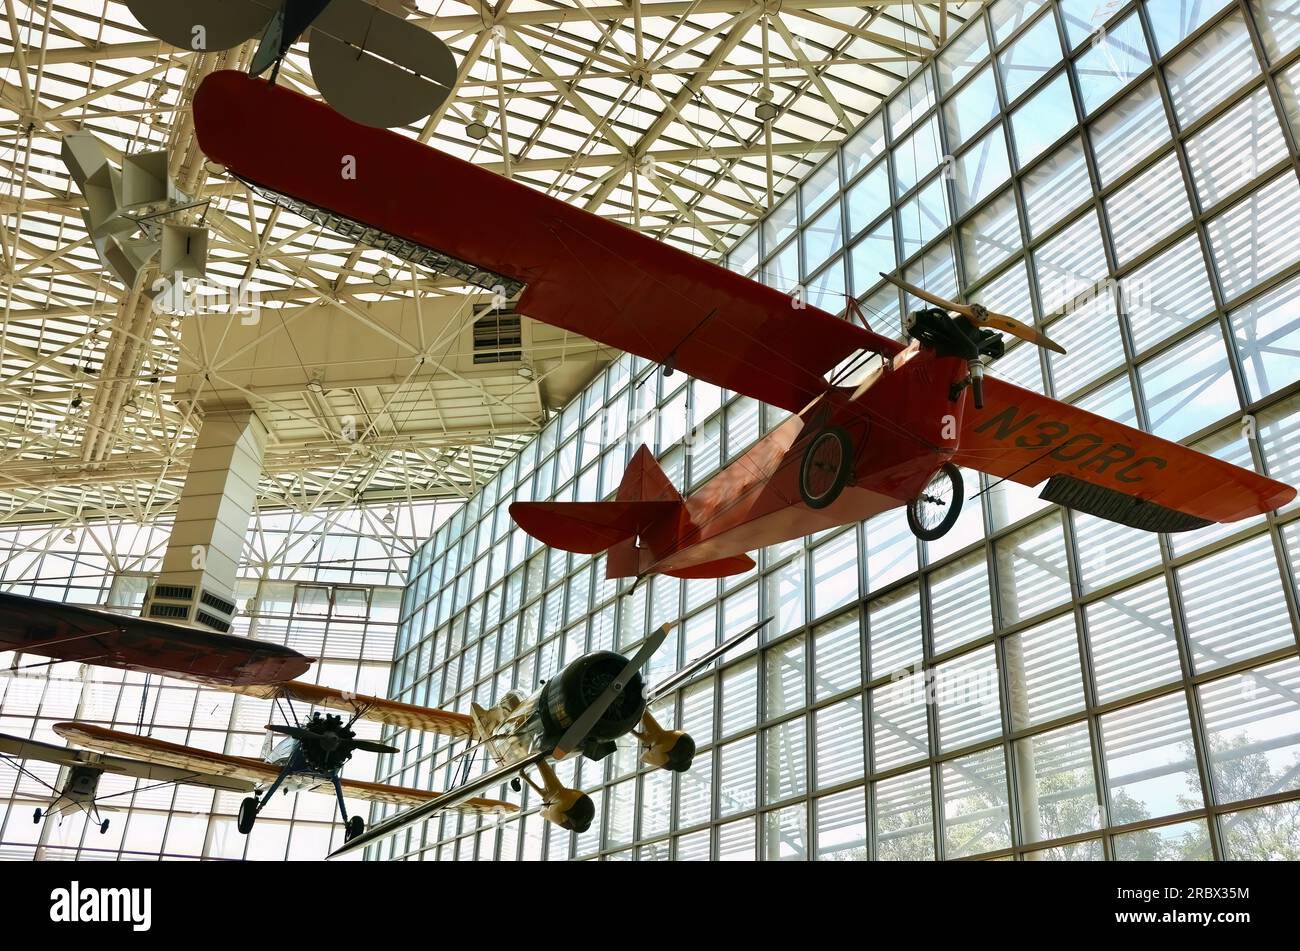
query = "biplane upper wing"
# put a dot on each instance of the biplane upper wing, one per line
(1105, 468)
(579, 271)
(408, 716)
(255, 771)
(70, 632)
(20, 748)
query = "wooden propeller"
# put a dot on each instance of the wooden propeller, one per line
(980, 316)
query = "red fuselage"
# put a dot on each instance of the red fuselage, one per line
(903, 426)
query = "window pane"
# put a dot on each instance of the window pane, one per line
(1047, 116)
(894, 624)
(972, 108)
(869, 198)
(1058, 791)
(1129, 131)
(1234, 605)
(904, 818)
(1189, 386)
(873, 256)
(1252, 724)
(898, 723)
(960, 609)
(966, 692)
(1070, 263)
(1150, 761)
(836, 662)
(981, 170)
(866, 145)
(1256, 237)
(975, 813)
(785, 834)
(1235, 148)
(1173, 22)
(1056, 186)
(785, 760)
(1030, 57)
(842, 827)
(839, 745)
(1043, 675)
(963, 54)
(1211, 68)
(1180, 842)
(1110, 65)
(990, 237)
(1267, 334)
(1167, 294)
(1147, 209)
(1032, 573)
(916, 156)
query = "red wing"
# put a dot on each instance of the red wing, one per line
(582, 272)
(1105, 468)
(69, 632)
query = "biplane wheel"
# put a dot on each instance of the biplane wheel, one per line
(934, 512)
(827, 465)
(36, 816)
(103, 827)
(247, 815)
(516, 785)
(356, 825)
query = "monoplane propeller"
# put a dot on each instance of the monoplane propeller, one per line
(979, 315)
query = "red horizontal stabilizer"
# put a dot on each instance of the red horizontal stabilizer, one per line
(589, 527)
(723, 567)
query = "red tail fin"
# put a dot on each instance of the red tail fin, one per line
(646, 481)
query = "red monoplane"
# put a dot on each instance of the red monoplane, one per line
(875, 423)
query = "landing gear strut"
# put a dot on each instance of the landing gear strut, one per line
(934, 512)
(827, 465)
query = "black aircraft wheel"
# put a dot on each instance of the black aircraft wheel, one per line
(516, 785)
(103, 827)
(247, 815)
(356, 825)
(934, 512)
(36, 816)
(580, 814)
(827, 465)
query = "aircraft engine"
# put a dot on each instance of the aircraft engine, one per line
(571, 809)
(672, 750)
(578, 686)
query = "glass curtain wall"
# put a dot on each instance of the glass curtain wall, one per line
(1039, 684)
(328, 583)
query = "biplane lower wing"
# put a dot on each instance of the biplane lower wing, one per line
(407, 716)
(69, 632)
(1107, 469)
(19, 748)
(256, 771)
